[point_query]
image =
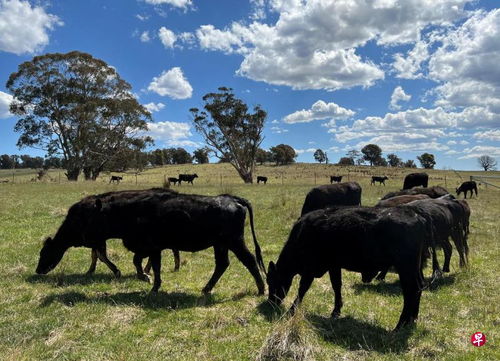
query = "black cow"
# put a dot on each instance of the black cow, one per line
(356, 239)
(380, 180)
(416, 179)
(115, 179)
(336, 179)
(174, 180)
(187, 178)
(159, 220)
(398, 200)
(261, 179)
(466, 187)
(341, 194)
(433, 192)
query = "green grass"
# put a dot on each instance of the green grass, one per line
(67, 315)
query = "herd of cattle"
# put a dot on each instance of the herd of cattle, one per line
(334, 232)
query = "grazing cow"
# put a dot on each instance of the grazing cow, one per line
(115, 179)
(336, 179)
(416, 179)
(433, 192)
(341, 194)
(466, 187)
(174, 180)
(396, 201)
(160, 220)
(187, 178)
(380, 180)
(356, 239)
(261, 179)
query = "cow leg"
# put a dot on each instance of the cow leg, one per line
(436, 270)
(411, 297)
(177, 259)
(101, 253)
(221, 264)
(382, 274)
(336, 280)
(305, 283)
(248, 260)
(138, 267)
(147, 268)
(447, 250)
(93, 261)
(155, 259)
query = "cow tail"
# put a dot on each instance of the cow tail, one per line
(258, 252)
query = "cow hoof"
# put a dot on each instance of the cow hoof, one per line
(206, 291)
(446, 269)
(118, 274)
(335, 315)
(144, 277)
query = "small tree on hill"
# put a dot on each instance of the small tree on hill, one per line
(346, 161)
(283, 154)
(356, 156)
(201, 155)
(262, 156)
(394, 160)
(427, 160)
(409, 164)
(230, 130)
(372, 153)
(486, 162)
(320, 156)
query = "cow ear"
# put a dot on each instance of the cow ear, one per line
(98, 204)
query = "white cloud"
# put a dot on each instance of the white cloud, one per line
(167, 37)
(5, 100)
(145, 37)
(398, 95)
(172, 83)
(187, 38)
(319, 110)
(184, 4)
(142, 17)
(409, 67)
(479, 150)
(313, 44)
(152, 107)
(278, 130)
(302, 151)
(24, 28)
(171, 133)
(493, 135)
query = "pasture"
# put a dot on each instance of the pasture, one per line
(67, 315)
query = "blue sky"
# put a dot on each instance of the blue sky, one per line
(411, 76)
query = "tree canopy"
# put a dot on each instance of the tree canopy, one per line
(320, 156)
(76, 106)
(372, 153)
(283, 154)
(486, 162)
(427, 160)
(232, 133)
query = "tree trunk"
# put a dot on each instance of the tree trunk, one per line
(72, 174)
(87, 172)
(247, 177)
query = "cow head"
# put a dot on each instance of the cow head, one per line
(50, 255)
(278, 284)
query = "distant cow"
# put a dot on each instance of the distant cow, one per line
(261, 179)
(115, 179)
(187, 178)
(396, 201)
(466, 187)
(416, 179)
(341, 194)
(336, 179)
(357, 239)
(159, 220)
(433, 192)
(380, 180)
(173, 180)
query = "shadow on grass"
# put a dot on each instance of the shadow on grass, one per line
(161, 300)
(61, 280)
(270, 311)
(353, 334)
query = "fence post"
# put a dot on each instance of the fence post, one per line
(12, 177)
(59, 177)
(135, 178)
(445, 184)
(281, 178)
(314, 178)
(220, 179)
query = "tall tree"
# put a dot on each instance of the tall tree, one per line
(394, 160)
(356, 156)
(6, 162)
(181, 156)
(410, 164)
(319, 156)
(262, 156)
(486, 162)
(372, 153)
(427, 160)
(76, 106)
(346, 161)
(157, 158)
(201, 155)
(283, 154)
(230, 130)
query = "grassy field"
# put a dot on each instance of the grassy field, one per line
(67, 315)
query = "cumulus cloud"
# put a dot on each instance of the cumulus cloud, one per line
(167, 37)
(183, 4)
(319, 110)
(173, 134)
(145, 37)
(493, 135)
(398, 95)
(5, 100)
(24, 28)
(409, 66)
(302, 151)
(278, 130)
(154, 107)
(171, 83)
(313, 44)
(479, 150)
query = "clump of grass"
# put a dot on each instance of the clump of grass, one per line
(288, 340)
